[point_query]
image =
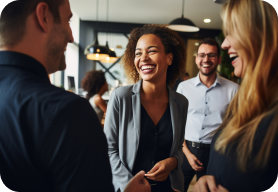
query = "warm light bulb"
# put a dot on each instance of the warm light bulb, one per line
(207, 20)
(112, 49)
(107, 58)
(97, 55)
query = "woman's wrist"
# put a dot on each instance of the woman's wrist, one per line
(173, 162)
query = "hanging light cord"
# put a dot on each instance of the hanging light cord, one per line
(97, 11)
(182, 8)
(107, 19)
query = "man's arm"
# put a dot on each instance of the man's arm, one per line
(192, 159)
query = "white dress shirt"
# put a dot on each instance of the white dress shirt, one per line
(207, 106)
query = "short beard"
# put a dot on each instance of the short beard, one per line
(55, 50)
(211, 72)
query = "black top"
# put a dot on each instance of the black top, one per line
(50, 139)
(154, 145)
(225, 170)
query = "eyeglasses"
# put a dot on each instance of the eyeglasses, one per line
(210, 55)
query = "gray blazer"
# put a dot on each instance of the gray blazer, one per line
(122, 128)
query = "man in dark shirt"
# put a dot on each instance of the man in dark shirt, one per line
(50, 139)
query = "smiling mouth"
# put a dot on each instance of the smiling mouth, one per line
(206, 65)
(147, 67)
(234, 56)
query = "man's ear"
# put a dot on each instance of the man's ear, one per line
(169, 58)
(43, 16)
(196, 60)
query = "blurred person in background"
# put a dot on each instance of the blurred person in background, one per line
(145, 122)
(95, 84)
(244, 149)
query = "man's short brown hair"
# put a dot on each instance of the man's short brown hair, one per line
(14, 15)
(212, 42)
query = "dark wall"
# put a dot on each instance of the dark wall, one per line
(88, 28)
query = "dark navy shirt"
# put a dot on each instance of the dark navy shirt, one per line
(50, 139)
(226, 172)
(155, 145)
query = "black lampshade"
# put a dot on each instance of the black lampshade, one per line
(184, 25)
(112, 56)
(96, 51)
(220, 1)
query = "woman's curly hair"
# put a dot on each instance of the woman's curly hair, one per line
(92, 82)
(172, 44)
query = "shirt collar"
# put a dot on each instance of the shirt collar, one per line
(10, 58)
(217, 81)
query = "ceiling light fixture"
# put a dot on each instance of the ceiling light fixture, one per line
(183, 24)
(112, 55)
(220, 1)
(207, 20)
(96, 51)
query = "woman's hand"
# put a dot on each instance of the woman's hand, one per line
(161, 170)
(207, 184)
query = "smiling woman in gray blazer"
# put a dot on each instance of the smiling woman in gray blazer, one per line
(145, 122)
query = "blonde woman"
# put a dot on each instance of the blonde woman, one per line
(244, 150)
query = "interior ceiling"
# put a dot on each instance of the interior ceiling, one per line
(150, 11)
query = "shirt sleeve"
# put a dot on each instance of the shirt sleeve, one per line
(75, 154)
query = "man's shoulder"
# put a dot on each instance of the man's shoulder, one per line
(228, 83)
(191, 81)
(59, 98)
(49, 99)
(186, 85)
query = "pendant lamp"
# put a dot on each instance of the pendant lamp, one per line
(183, 24)
(96, 51)
(112, 58)
(112, 55)
(220, 1)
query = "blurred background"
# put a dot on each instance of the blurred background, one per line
(111, 21)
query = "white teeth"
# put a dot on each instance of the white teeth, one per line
(233, 55)
(206, 65)
(147, 67)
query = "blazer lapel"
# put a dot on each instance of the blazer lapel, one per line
(174, 117)
(136, 108)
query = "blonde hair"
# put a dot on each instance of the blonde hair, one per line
(254, 24)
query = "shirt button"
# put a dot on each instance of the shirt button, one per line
(200, 139)
(205, 114)
(203, 128)
(206, 102)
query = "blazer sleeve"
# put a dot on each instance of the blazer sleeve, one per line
(121, 174)
(179, 154)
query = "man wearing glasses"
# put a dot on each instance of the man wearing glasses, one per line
(209, 95)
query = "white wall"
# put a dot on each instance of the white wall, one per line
(72, 53)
